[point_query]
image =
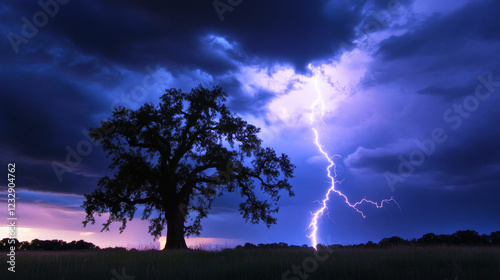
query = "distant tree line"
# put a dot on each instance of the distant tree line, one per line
(47, 245)
(459, 238)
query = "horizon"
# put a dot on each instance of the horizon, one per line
(209, 245)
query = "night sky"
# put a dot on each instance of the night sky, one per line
(411, 92)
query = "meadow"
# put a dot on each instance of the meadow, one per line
(301, 263)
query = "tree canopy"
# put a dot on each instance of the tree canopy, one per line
(176, 157)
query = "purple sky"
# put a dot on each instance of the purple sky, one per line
(411, 91)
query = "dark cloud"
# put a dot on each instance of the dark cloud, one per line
(44, 114)
(440, 34)
(136, 33)
(450, 93)
(42, 120)
(436, 65)
(254, 104)
(469, 155)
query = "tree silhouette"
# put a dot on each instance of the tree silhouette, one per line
(495, 238)
(469, 237)
(428, 239)
(175, 158)
(6, 243)
(392, 241)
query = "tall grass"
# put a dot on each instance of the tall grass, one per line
(392, 263)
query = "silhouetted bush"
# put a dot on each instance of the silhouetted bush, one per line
(249, 246)
(393, 241)
(115, 249)
(370, 244)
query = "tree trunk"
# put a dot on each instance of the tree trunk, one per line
(175, 229)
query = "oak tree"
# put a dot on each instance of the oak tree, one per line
(173, 159)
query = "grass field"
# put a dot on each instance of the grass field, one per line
(392, 263)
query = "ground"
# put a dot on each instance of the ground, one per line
(347, 263)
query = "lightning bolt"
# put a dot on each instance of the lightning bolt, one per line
(319, 103)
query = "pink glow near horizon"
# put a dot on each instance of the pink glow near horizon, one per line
(48, 222)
